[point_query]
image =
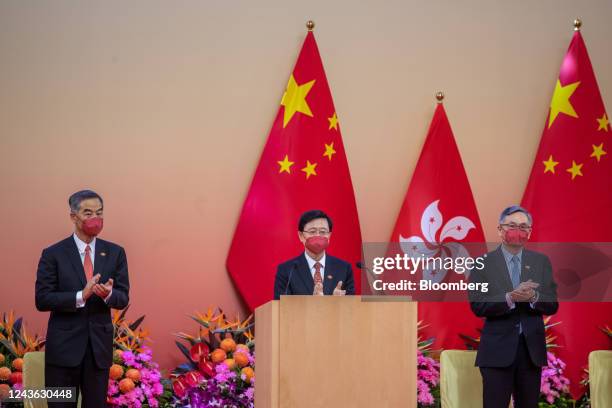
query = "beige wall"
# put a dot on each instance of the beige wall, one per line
(163, 107)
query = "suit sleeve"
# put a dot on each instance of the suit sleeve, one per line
(349, 285)
(121, 284)
(47, 296)
(280, 282)
(547, 293)
(486, 304)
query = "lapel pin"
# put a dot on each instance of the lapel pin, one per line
(102, 253)
(527, 267)
(329, 277)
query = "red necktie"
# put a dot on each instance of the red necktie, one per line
(317, 275)
(87, 265)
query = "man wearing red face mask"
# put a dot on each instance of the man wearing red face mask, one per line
(79, 280)
(521, 289)
(314, 272)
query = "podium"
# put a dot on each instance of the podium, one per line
(335, 351)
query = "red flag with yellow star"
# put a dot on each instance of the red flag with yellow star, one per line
(569, 194)
(303, 167)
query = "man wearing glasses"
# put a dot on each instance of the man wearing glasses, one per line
(512, 348)
(79, 280)
(314, 272)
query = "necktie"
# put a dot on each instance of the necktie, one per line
(317, 275)
(87, 265)
(515, 273)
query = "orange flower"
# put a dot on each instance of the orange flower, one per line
(248, 373)
(228, 345)
(218, 355)
(126, 385)
(115, 372)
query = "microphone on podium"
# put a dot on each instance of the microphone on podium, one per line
(293, 267)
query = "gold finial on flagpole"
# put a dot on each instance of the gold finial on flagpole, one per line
(310, 25)
(577, 24)
(440, 96)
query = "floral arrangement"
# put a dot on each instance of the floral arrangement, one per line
(134, 379)
(428, 373)
(554, 386)
(14, 343)
(220, 367)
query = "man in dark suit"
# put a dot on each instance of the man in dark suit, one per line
(521, 289)
(79, 280)
(314, 272)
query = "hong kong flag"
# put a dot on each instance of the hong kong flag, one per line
(439, 218)
(570, 198)
(303, 167)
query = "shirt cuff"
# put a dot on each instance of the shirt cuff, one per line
(109, 296)
(535, 299)
(80, 302)
(509, 301)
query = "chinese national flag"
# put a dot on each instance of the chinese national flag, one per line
(303, 167)
(439, 213)
(569, 194)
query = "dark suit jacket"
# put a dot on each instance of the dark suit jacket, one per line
(59, 277)
(302, 283)
(500, 334)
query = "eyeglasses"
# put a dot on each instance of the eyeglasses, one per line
(314, 231)
(513, 226)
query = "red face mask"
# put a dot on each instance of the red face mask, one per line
(317, 244)
(93, 226)
(516, 237)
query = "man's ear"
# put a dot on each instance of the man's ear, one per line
(301, 237)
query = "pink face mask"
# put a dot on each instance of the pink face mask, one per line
(93, 226)
(516, 237)
(317, 244)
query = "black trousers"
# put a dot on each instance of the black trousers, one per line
(87, 377)
(521, 380)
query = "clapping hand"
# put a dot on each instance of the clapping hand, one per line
(524, 292)
(338, 290)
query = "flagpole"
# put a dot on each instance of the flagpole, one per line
(439, 96)
(310, 25)
(577, 24)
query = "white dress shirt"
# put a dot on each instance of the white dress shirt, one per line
(81, 245)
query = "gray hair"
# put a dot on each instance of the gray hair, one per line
(514, 209)
(77, 198)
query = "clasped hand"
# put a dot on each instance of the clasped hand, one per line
(524, 292)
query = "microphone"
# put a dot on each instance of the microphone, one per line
(362, 265)
(293, 267)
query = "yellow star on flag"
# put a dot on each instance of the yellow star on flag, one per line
(575, 170)
(294, 99)
(310, 169)
(603, 122)
(560, 101)
(549, 165)
(329, 150)
(333, 122)
(285, 165)
(598, 151)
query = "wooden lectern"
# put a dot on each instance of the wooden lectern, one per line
(335, 351)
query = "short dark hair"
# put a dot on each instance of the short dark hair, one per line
(313, 215)
(514, 209)
(77, 198)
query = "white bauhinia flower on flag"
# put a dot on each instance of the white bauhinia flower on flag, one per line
(439, 217)
(437, 245)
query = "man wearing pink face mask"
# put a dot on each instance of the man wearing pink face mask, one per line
(79, 280)
(314, 272)
(512, 349)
